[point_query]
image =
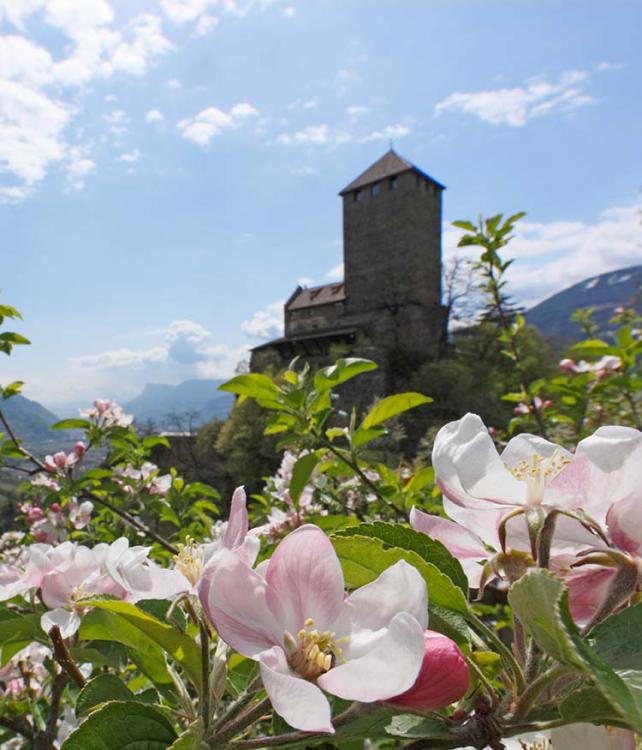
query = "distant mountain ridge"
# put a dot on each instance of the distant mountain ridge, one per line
(604, 293)
(159, 403)
(30, 420)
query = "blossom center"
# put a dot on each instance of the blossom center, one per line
(311, 653)
(538, 472)
(189, 560)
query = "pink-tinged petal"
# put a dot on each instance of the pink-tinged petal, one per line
(237, 525)
(443, 679)
(249, 550)
(460, 542)
(624, 521)
(482, 522)
(67, 620)
(388, 669)
(305, 580)
(162, 584)
(400, 588)
(614, 458)
(296, 700)
(234, 598)
(469, 469)
(587, 588)
(590, 737)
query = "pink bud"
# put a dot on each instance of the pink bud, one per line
(41, 537)
(568, 365)
(35, 514)
(60, 459)
(55, 507)
(443, 677)
(80, 449)
(620, 310)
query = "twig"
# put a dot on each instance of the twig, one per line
(205, 670)
(233, 728)
(14, 439)
(131, 520)
(19, 726)
(64, 658)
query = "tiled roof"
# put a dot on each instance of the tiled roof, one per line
(316, 295)
(389, 165)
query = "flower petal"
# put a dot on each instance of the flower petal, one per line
(305, 580)
(237, 525)
(587, 589)
(469, 469)
(234, 598)
(400, 588)
(590, 737)
(388, 669)
(66, 619)
(298, 701)
(460, 542)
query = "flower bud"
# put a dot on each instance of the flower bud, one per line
(80, 449)
(55, 507)
(35, 514)
(443, 677)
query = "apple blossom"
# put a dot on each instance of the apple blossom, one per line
(107, 414)
(193, 559)
(292, 617)
(145, 479)
(443, 678)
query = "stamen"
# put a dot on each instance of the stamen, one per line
(313, 653)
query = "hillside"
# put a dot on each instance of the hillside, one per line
(604, 293)
(158, 403)
(30, 420)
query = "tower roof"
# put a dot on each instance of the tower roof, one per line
(389, 165)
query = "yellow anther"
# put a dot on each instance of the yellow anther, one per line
(309, 622)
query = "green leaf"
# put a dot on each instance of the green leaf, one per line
(430, 550)
(191, 738)
(417, 727)
(71, 424)
(540, 600)
(391, 406)
(467, 225)
(105, 687)
(123, 725)
(254, 385)
(362, 437)
(13, 338)
(16, 632)
(178, 645)
(99, 625)
(363, 559)
(12, 389)
(587, 704)
(301, 472)
(618, 640)
(341, 371)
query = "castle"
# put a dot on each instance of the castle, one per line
(391, 293)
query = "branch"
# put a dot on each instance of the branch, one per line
(64, 657)
(14, 439)
(131, 520)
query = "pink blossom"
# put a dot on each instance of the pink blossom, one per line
(193, 559)
(107, 414)
(42, 480)
(308, 637)
(443, 678)
(79, 513)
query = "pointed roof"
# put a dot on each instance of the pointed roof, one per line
(389, 165)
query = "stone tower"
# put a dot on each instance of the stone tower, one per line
(391, 294)
(392, 255)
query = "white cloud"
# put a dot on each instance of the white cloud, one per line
(317, 134)
(211, 122)
(129, 157)
(537, 97)
(154, 115)
(289, 11)
(335, 273)
(553, 255)
(266, 323)
(174, 83)
(118, 121)
(606, 66)
(357, 110)
(186, 351)
(305, 281)
(390, 132)
(79, 165)
(205, 25)
(304, 171)
(41, 84)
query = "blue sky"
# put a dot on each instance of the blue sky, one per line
(169, 168)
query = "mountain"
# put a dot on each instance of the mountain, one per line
(30, 421)
(161, 403)
(603, 293)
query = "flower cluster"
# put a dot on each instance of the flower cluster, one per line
(49, 525)
(601, 369)
(107, 414)
(146, 479)
(62, 463)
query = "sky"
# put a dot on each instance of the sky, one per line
(169, 169)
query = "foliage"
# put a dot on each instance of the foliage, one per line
(106, 643)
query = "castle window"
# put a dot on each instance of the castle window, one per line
(375, 189)
(358, 196)
(393, 183)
